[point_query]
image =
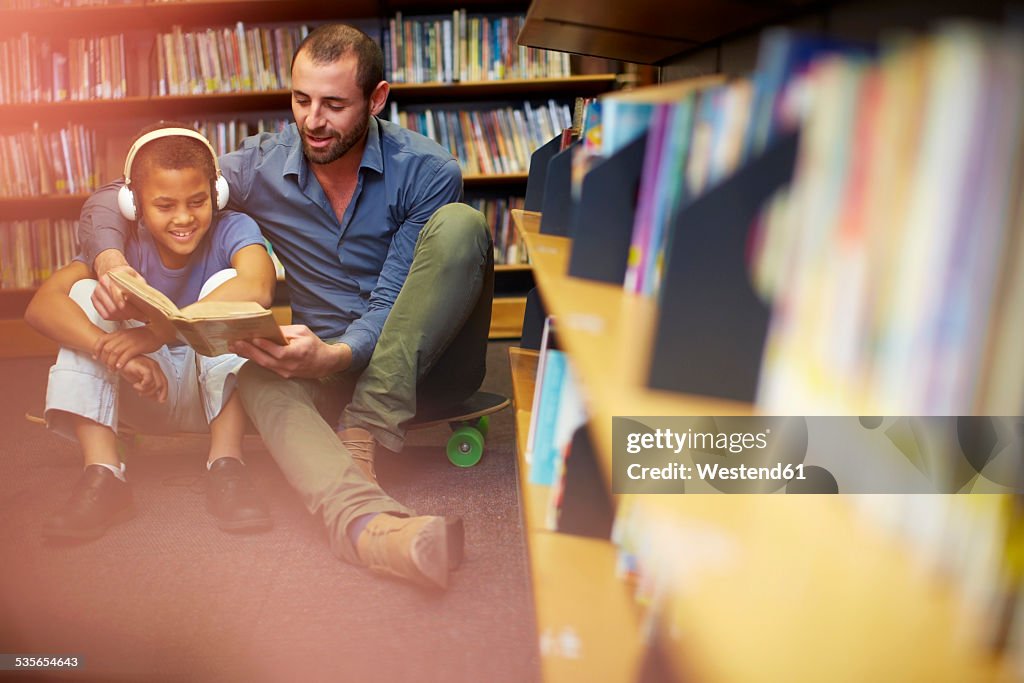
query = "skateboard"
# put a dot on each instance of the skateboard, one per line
(469, 422)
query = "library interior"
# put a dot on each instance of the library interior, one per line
(755, 222)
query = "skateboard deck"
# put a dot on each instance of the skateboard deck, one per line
(469, 422)
(478, 405)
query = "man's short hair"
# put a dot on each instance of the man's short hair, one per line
(328, 43)
(174, 152)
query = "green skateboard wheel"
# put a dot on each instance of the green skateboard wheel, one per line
(465, 447)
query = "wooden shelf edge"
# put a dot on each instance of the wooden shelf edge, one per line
(586, 619)
(252, 100)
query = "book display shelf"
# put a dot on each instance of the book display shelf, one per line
(66, 118)
(758, 586)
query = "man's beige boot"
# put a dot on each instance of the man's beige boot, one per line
(419, 549)
(361, 445)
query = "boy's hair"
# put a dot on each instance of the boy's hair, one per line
(328, 43)
(174, 152)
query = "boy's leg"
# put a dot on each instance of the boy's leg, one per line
(230, 495)
(435, 337)
(81, 403)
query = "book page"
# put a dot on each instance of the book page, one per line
(212, 310)
(211, 336)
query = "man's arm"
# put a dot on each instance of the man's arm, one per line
(102, 233)
(101, 226)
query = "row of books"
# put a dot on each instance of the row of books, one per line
(557, 412)
(35, 69)
(38, 163)
(464, 48)
(224, 60)
(698, 132)
(895, 262)
(509, 248)
(31, 251)
(488, 141)
(227, 135)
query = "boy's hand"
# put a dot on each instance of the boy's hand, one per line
(146, 377)
(117, 348)
(109, 300)
(306, 355)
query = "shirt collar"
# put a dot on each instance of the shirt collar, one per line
(373, 157)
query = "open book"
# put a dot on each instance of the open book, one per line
(206, 326)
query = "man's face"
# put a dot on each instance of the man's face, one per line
(330, 110)
(177, 211)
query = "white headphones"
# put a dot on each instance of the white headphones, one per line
(126, 196)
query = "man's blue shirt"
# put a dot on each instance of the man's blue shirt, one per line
(343, 276)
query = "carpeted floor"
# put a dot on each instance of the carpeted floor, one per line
(169, 597)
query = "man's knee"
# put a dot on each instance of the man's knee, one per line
(461, 229)
(252, 380)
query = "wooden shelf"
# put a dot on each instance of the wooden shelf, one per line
(647, 31)
(586, 619)
(494, 179)
(608, 336)
(48, 206)
(796, 584)
(512, 88)
(13, 116)
(512, 268)
(507, 317)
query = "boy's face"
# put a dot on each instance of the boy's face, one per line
(177, 211)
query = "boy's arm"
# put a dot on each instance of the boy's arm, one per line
(53, 313)
(255, 279)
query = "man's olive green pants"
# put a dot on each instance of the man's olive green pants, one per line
(432, 347)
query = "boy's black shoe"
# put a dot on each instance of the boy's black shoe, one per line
(98, 500)
(232, 499)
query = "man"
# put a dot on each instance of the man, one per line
(380, 264)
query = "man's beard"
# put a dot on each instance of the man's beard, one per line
(338, 148)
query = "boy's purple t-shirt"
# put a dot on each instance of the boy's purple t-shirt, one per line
(229, 232)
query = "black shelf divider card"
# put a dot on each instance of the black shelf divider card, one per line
(602, 226)
(586, 508)
(711, 325)
(538, 173)
(557, 206)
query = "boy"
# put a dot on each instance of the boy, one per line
(185, 248)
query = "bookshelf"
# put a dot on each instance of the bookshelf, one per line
(802, 579)
(776, 587)
(114, 120)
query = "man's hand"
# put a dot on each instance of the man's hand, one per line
(146, 377)
(306, 355)
(117, 348)
(109, 300)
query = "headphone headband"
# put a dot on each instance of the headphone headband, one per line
(166, 133)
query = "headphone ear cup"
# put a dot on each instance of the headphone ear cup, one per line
(126, 203)
(222, 192)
